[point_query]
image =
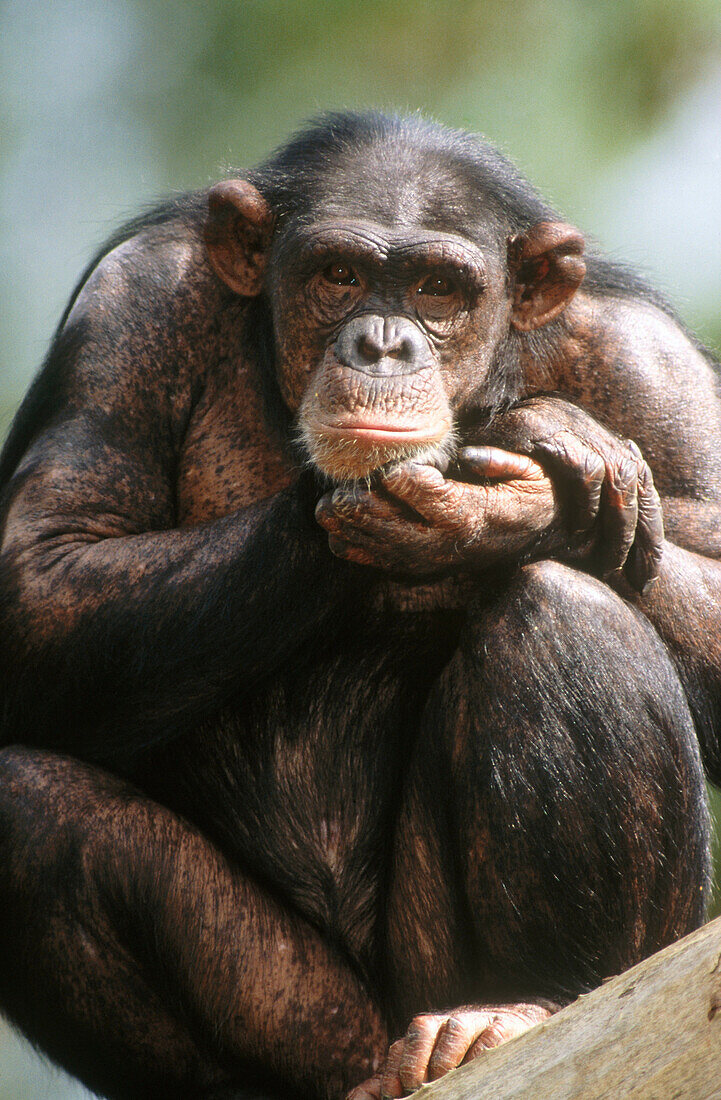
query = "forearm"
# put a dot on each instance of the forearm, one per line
(134, 639)
(171, 960)
(693, 524)
(684, 605)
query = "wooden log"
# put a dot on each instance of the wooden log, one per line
(653, 1033)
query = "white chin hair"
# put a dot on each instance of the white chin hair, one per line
(351, 460)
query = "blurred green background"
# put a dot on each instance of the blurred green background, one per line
(612, 107)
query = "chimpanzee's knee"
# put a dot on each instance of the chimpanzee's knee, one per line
(575, 783)
(67, 962)
(560, 650)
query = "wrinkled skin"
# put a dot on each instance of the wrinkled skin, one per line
(373, 653)
(436, 1044)
(611, 517)
(612, 503)
(417, 521)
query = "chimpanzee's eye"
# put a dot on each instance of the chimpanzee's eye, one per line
(340, 275)
(438, 286)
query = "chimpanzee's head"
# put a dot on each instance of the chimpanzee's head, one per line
(398, 257)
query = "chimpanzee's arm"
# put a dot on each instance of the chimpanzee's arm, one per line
(685, 607)
(675, 581)
(638, 373)
(118, 627)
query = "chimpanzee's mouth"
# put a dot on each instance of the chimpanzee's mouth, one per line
(385, 434)
(348, 452)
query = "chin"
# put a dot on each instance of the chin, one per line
(347, 458)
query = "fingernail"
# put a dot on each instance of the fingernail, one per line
(481, 455)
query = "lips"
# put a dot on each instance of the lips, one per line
(347, 449)
(385, 434)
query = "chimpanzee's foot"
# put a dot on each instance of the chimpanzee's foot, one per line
(437, 1043)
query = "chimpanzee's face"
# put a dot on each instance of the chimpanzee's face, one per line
(382, 332)
(392, 288)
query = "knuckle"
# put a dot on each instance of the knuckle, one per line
(620, 479)
(346, 551)
(493, 1035)
(644, 476)
(410, 1075)
(557, 445)
(415, 1034)
(627, 471)
(454, 1027)
(346, 500)
(328, 522)
(422, 1024)
(593, 466)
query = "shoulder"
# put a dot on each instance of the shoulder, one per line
(137, 341)
(148, 314)
(630, 337)
(636, 369)
(150, 269)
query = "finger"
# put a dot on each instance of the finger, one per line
(417, 1048)
(411, 477)
(391, 1086)
(367, 549)
(346, 500)
(644, 559)
(452, 1043)
(350, 551)
(500, 1029)
(423, 488)
(325, 513)
(351, 507)
(582, 471)
(492, 462)
(339, 505)
(619, 514)
(380, 528)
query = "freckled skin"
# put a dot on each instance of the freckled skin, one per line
(352, 688)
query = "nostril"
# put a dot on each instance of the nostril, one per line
(400, 340)
(378, 345)
(402, 349)
(369, 349)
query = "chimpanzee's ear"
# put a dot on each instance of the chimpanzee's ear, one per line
(237, 235)
(547, 270)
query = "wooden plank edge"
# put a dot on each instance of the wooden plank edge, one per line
(652, 1033)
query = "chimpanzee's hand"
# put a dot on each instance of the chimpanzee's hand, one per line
(417, 521)
(434, 1044)
(612, 511)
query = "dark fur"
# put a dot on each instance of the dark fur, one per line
(248, 744)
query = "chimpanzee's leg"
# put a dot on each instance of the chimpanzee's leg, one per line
(137, 957)
(554, 828)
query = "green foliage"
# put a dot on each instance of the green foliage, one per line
(103, 107)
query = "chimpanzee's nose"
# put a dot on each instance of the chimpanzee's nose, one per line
(382, 345)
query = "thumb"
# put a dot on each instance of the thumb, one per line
(492, 462)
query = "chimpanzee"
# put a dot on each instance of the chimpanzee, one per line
(348, 676)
